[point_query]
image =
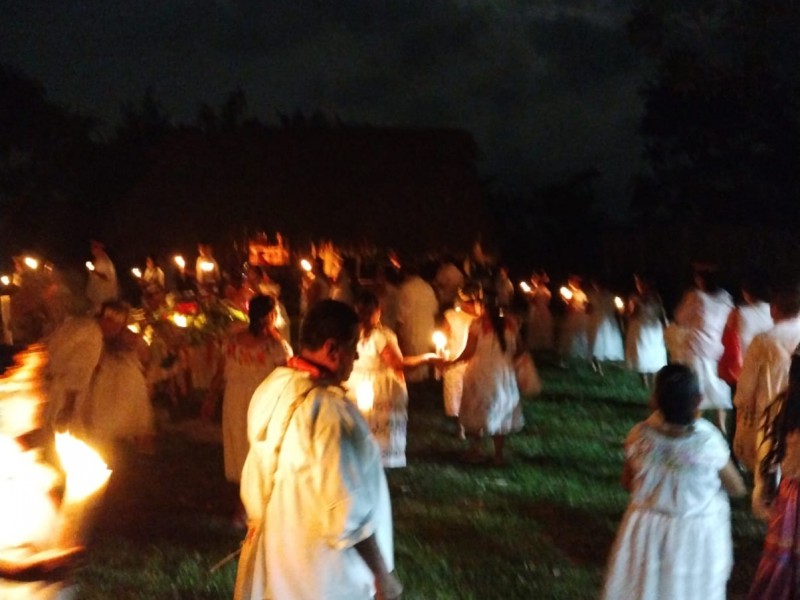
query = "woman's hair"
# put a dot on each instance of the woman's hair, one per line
(496, 318)
(782, 417)
(328, 319)
(709, 278)
(677, 394)
(258, 310)
(366, 304)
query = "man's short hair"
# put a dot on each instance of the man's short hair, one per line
(786, 299)
(328, 319)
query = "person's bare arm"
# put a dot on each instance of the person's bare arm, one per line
(387, 584)
(732, 481)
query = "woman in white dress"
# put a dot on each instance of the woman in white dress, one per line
(541, 328)
(645, 350)
(674, 542)
(379, 368)
(702, 313)
(118, 406)
(605, 337)
(490, 405)
(455, 326)
(573, 338)
(247, 358)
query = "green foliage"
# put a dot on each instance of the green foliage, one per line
(539, 528)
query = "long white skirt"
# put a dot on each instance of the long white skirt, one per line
(658, 556)
(645, 350)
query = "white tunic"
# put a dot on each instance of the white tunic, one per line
(753, 319)
(645, 350)
(674, 542)
(416, 313)
(453, 377)
(101, 289)
(605, 338)
(329, 493)
(765, 374)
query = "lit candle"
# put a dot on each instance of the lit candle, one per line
(90, 265)
(440, 343)
(619, 303)
(523, 285)
(305, 265)
(206, 266)
(180, 262)
(136, 272)
(5, 280)
(566, 293)
(365, 397)
(179, 320)
(31, 263)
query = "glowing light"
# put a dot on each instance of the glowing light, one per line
(439, 341)
(5, 280)
(305, 265)
(86, 471)
(135, 328)
(365, 396)
(180, 262)
(180, 320)
(90, 265)
(137, 272)
(206, 266)
(523, 285)
(566, 293)
(619, 303)
(31, 263)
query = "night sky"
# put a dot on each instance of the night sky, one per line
(547, 87)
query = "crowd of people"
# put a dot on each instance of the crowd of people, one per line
(316, 422)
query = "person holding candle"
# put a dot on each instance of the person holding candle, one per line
(645, 350)
(605, 337)
(380, 365)
(102, 284)
(573, 339)
(207, 273)
(317, 501)
(490, 404)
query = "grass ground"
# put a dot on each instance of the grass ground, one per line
(540, 527)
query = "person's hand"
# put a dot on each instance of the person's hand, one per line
(389, 587)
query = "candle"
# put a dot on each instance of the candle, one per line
(523, 285)
(206, 266)
(90, 265)
(365, 397)
(619, 303)
(305, 265)
(566, 293)
(5, 280)
(180, 262)
(440, 343)
(31, 262)
(136, 272)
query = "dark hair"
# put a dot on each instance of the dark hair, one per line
(754, 284)
(366, 304)
(781, 417)
(677, 394)
(496, 318)
(258, 309)
(709, 278)
(328, 319)
(786, 298)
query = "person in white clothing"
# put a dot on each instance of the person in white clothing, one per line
(317, 501)
(765, 372)
(674, 541)
(417, 308)
(102, 284)
(702, 313)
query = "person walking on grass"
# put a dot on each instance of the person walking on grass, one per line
(490, 402)
(674, 542)
(315, 492)
(776, 576)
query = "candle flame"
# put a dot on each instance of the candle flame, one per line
(206, 266)
(523, 285)
(305, 265)
(566, 293)
(5, 280)
(136, 272)
(31, 262)
(439, 340)
(90, 265)
(86, 472)
(180, 262)
(619, 303)
(365, 396)
(179, 320)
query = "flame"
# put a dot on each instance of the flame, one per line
(305, 265)
(179, 320)
(86, 471)
(206, 266)
(619, 303)
(439, 340)
(136, 272)
(523, 285)
(365, 396)
(180, 262)
(90, 265)
(566, 293)
(31, 262)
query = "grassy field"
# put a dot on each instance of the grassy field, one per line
(540, 527)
